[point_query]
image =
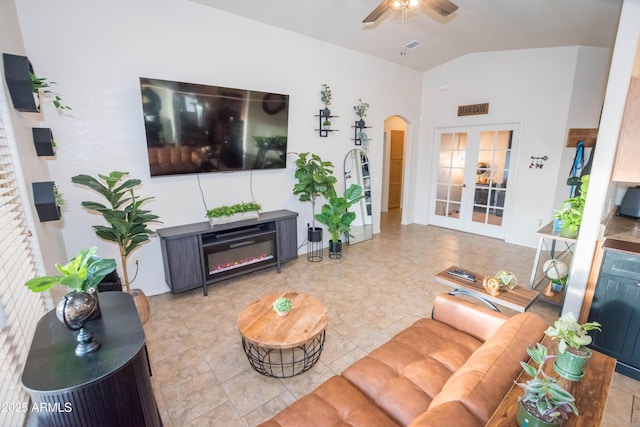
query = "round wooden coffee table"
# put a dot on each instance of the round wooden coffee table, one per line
(283, 346)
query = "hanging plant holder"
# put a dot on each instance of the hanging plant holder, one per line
(43, 140)
(17, 70)
(45, 200)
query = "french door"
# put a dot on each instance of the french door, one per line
(472, 184)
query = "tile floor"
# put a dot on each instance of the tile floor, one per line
(201, 376)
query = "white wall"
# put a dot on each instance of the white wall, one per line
(532, 87)
(97, 51)
(46, 240)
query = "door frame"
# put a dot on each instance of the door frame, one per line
(467, 225)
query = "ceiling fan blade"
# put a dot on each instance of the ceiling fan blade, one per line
(378, 11)
(443, 7)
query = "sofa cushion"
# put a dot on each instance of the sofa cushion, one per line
(447, 414)
(489, 373)
(335, 403)
(403, 375)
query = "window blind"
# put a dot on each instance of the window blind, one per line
(20, 309)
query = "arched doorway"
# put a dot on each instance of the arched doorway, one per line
(395, 137)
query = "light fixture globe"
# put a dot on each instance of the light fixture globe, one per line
(403, 5)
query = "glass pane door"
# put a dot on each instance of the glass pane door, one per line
(494, 155)
(450, 181)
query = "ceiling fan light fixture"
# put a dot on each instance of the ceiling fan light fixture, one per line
(404, 5)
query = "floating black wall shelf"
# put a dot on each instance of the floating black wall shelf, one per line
(322, 129)
(45, 201)
(43, 140)
(16, 73)
(358, 128)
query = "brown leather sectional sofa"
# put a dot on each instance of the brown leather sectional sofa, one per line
(451, 370)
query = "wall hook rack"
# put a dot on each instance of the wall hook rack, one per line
(538, 162)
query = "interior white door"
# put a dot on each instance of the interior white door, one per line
(472, 185)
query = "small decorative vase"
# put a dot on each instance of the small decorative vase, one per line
(548, 291)
(568, 232)
(527, 419)
(326, 112)
(142, 304)
(361, 123)
(570, 365)
(557, 287)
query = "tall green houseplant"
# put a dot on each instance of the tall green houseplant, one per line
(315, 178)
(335, 214)
(127, 221)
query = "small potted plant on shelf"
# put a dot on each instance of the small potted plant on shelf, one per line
(361, 111)
(545, 402)
(570, 216)
(326, 97)
(557, 272)
(238, 212)
(572, 341)
(41, 85)
(336, 216)
(282, 306)
(315, 178)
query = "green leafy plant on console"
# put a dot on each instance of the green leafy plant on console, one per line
(570, 333)
(226, 210)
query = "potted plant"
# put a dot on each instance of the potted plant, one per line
(361, 111)
(545, 402)
(570, 216)
(238, 212)
(81, 274)
(315, 178)
(127, 222)
(557, 272)
(572, 341)
(325, 97)
(282, 306)
(336, 216)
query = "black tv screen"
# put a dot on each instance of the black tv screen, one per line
(194, 128)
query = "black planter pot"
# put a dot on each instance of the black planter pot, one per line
(314, 234)
(45, 200)
(16, 73)
(361, 123)
(43, 140)
(335, 249)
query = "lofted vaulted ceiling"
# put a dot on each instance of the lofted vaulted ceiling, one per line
(477, 26)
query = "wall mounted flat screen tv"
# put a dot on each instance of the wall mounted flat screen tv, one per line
(194, 128)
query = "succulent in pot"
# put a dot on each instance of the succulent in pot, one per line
(282, 306)
(544, 398)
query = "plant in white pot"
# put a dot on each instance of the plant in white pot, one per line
(282, 306)
(238, 212)
(573, 339)
(545, 402)
(127, 221)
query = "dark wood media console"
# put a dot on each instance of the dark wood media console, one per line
(197, 255)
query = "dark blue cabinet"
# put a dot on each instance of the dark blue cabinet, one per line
(616, 305)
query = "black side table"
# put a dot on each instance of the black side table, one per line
(110, 387)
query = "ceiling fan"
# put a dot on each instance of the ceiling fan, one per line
(443, 7)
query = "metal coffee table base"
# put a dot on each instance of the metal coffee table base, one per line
(286, 362)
